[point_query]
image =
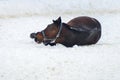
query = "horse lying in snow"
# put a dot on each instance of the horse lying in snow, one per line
(78, 31)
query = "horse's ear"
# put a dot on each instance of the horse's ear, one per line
(58, 21)
(54, 21)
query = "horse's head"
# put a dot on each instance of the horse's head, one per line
(49, 34)
(37, 37)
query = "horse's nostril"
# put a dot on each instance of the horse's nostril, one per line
(32, 35)
(37, 41)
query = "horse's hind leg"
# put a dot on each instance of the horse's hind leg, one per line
(95, 39)
(94, 36)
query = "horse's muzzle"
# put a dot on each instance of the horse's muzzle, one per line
(37, 41)
(33, 35)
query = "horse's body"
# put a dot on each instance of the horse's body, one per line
(78, 31)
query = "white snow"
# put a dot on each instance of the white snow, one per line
(23, 59)
(15, 8)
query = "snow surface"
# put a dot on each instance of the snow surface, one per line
(15, 8)
(23, 59)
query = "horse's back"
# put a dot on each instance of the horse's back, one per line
(87, 24)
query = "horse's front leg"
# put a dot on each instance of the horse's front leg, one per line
(52, 44)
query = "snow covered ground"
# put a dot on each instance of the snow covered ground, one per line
(22, 59)
(15, 8)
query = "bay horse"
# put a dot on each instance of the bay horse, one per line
(78, 31)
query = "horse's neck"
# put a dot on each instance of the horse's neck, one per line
(67, 31)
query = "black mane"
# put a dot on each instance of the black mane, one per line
(72, 28)
(68, 27)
